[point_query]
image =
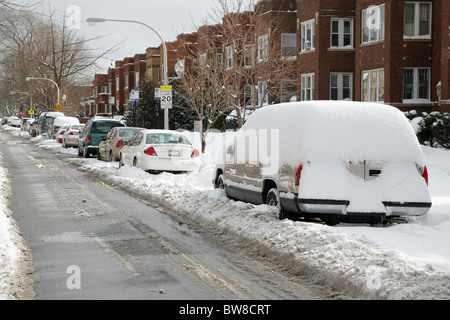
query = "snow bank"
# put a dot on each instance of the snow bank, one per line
(13, 251)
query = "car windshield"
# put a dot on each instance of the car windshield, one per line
(156, 138)
(105, 126)
(128, 133)
(49, 121)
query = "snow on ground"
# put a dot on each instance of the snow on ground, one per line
(400, 261)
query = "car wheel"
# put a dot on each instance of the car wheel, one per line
(273, 199)
(80, 153)
(111, 156)
(85, 152)
(120, 161)
(99, 157)
(135, 162)
(219, 182)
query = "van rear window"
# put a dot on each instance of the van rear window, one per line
(104, 127)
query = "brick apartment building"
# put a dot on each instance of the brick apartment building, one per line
(395, 52)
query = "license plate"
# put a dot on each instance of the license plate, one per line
(174, 153)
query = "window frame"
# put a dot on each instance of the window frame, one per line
(263, 47)
(370, 87)
(417, 20)
(303, 30)
(228, 57)
(340, 85)
(341, 34)
(291, 50)
(263, 86)
(305, 90)
(380, 19)
(416, 86)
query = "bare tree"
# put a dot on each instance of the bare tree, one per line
(38, 46)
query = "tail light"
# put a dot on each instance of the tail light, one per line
(42, 128)
(55, 131)
(89, 138)
(425, 174)
(151, 152)
(195, 153)
(70, 133)
(298, 175)
(119, 143)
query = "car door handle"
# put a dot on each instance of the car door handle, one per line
(374, 173)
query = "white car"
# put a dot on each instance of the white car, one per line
(59, 122)
(14, 122)
(70, 137)
(338, 161)
(160, 150)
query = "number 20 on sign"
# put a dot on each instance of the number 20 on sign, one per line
(166, 97)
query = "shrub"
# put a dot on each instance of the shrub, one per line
(432, 129)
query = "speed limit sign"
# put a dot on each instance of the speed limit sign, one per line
(166, 97)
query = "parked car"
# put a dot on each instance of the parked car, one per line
(59, 122)
(60, 133)
(335, 161)
(71, 135)
(93, 133)
(160, 150)
(109, 148)
(46, 120)
(32, 129)
(26, 123)
(14, 122)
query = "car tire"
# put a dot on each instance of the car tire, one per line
(220, 182)
(120, 161)
(85, 152)
(135, 162)
(99, 157)
(111, 156)
(273, 199)
(80, 153)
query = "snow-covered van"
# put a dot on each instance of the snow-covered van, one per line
(338, 161)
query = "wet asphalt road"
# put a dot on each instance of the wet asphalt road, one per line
(90, 241)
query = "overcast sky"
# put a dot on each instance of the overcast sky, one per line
(168, 17)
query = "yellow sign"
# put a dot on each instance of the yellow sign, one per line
(31, 111)
(166, 87)
(58, 107)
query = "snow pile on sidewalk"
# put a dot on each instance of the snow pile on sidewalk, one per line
(13, 252)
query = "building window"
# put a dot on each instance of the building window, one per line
(126, 81)
(117, 84)
(288, 45)
(288, 90)
(341, 86)
(308, 35)
(229, 57)
(136, 79)
(372, 85)
(416, 85)
(307, 86)
(263, 94)
(263, 47)
(341, 33)
(104, 90)
(373, 24)
(417, 20)
(249, 54)
(249, 95)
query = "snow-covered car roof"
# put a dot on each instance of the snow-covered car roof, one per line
(339, 130)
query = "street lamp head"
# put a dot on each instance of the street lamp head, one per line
(92, 21)
(28, 78)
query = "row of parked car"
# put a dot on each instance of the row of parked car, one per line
(335, 161)
(113, 140)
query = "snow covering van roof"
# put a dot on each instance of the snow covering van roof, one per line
(339, 130)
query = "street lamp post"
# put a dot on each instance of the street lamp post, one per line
(57, 87)
(93, 21)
